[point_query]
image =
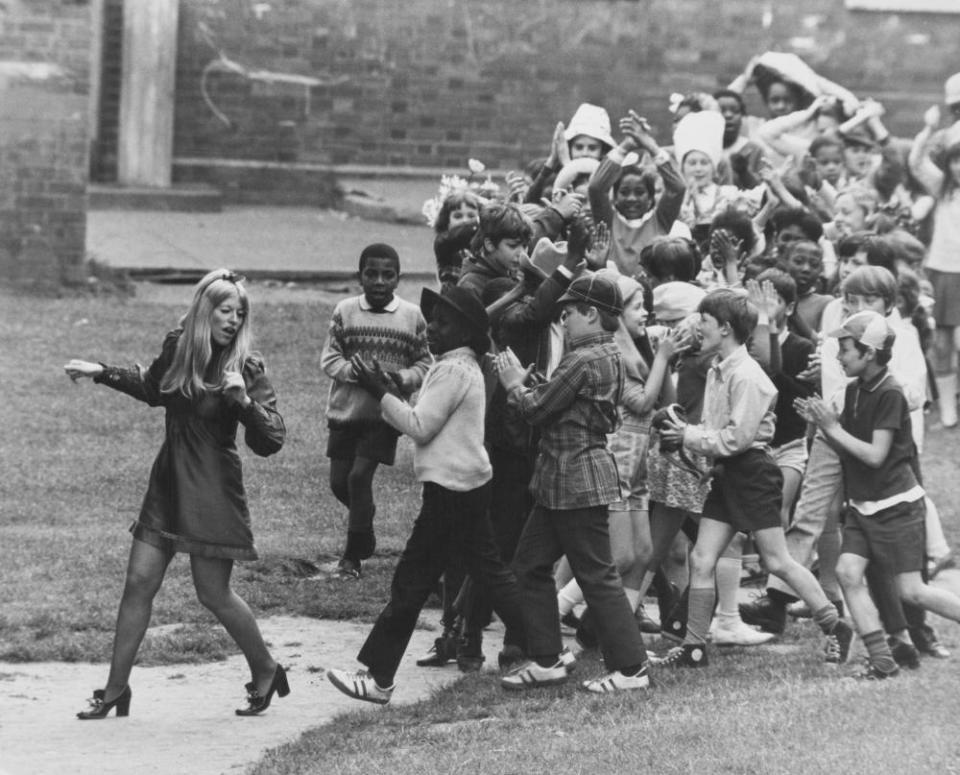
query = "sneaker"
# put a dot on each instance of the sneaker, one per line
(765, 613)
(618, 682)
(647, 625)
(870, 673)
(687, 655)
(925, 639)
(904, 654)
(360, 685)
(348, 569)
(530, 675)
(674, 629)
(735, 633)
(442, 652)
(837, 649)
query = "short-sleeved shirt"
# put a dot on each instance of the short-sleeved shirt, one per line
(878, 404)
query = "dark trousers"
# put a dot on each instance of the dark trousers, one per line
(584, 537)
(510, 503)
(449, 524)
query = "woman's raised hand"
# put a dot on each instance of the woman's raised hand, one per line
(234, 388)
(77, 369)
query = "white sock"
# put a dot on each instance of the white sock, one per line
(728, 586)
(633, 597)
(569, 597)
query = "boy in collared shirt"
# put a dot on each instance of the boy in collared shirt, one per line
(746, 490)
(574, 481)
(885, 518)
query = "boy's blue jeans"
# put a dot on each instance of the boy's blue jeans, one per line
(582, 535)
(450, 524)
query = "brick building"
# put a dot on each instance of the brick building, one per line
(431, 83)
(44, 115)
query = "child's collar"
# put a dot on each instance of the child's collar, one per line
(390, 307)
(869, 384)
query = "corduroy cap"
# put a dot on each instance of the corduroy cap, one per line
(597, 291)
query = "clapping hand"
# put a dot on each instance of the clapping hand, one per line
(372, 378)
(509, 369)
(815, 410)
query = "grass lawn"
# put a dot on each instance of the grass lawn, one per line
(75, 465)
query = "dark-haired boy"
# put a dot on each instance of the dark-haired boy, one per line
(574, 481)
(746, 490)
(378, 326)
(501, 239)
(885, 518)
(803, 260)
(789, 357)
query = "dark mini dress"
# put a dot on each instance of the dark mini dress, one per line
(195, 502)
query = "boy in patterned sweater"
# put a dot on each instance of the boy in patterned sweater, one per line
(379, 327)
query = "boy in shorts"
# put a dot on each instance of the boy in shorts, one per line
(885, 515)
(379, 327)
(746, 491)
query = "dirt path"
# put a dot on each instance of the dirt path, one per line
(181, 717)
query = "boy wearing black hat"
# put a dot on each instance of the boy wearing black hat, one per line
(574, 480)
(376, 325)
(446, 426)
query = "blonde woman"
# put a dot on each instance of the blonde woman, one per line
(208, 380)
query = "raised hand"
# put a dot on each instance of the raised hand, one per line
(77, 369)
(517, 186)
(597, 254)
(931, 118)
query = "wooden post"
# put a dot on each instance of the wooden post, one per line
(145, 145)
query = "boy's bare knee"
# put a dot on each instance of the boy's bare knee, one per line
(848, 574)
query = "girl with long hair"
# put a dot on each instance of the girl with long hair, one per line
(208, 380)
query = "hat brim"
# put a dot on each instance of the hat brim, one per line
(429, 299)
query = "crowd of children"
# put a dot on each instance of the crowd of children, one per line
(646, 358)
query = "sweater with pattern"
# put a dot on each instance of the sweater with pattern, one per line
(396, 337)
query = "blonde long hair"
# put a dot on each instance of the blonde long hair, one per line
(195, 350)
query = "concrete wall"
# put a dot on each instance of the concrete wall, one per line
(433, 82)
(44, 83)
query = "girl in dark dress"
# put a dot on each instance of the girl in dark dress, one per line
(208, 380)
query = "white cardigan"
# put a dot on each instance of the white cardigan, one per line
(447, 423)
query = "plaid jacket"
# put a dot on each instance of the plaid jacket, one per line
(575, 410)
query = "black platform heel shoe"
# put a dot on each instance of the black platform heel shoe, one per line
(257, 703)
(99, 709)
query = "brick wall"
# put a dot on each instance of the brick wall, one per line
(431, 83)
(44, 81)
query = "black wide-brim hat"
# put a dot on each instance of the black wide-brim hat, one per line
(463, 301)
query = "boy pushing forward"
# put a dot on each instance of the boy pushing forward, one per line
(885, 518)
(574, 480)
(746, 491)
(376, 326)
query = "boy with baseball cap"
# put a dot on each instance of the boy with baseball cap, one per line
(885, 515)
(574, 480)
